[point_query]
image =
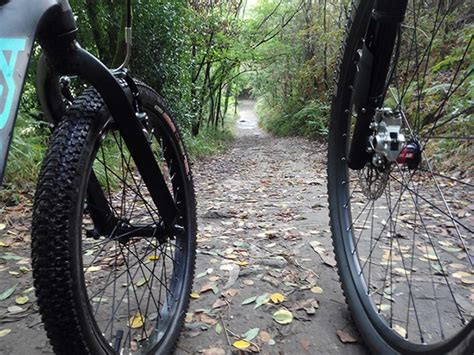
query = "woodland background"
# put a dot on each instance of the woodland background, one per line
(201, 55)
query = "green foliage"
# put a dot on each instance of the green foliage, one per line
(210, 141)
(28, 145)
(293, 75)
(308, 120)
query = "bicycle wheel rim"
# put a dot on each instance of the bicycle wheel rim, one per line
(147, 310)
(348, 216)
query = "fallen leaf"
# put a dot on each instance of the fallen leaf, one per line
(10, 257)
(7, 293)
(317, 290)
(345, 337)
(241, 344)
(233, 276)
(265, 336)
(219, 303)
(261, 300)
(15, 309)
(218, 328)
(400, 330)
(154, 258)
(141, 282)
(251, 334)
(195, 295)
(248, 282)
(21, 300)
(207, 319)
(213, 351)
(249, 300)
(431, 257)
(277, 298)
(461, 275)
(208, 287)
(2, 226)
(401, 271)
(311, 309)
(92, 269)
(136, 321)
(326, 256)
(189, 317)
(468, 280)
(4, 332)
(283, 316)
(230, 293)
(306, 345)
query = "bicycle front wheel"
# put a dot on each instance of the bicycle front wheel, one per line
(116, 283)
(402, 227)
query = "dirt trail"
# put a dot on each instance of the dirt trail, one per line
(260, 206)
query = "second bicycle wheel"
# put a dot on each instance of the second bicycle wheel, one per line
(403, 228)
(123, 287)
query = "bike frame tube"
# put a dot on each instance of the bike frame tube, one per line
(17, 36)
(52, 22)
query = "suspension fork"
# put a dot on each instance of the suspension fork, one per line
(373, 70)
(67, 58)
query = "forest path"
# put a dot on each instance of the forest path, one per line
(260, 205)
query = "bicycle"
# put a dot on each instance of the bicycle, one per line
(402, 241)
(114, 220)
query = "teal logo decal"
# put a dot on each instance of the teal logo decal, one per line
(9, 50)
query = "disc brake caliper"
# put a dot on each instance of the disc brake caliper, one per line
(388, 141)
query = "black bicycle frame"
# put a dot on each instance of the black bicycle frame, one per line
(52, 23)
(373, 70)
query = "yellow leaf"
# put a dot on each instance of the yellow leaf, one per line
(242, 263)
(2, 244)
(2, 226)
(317, 290)
(241, 344)
(136, 321)
(277, 298)
(21, 300)
(195, 295)
(154, 258)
